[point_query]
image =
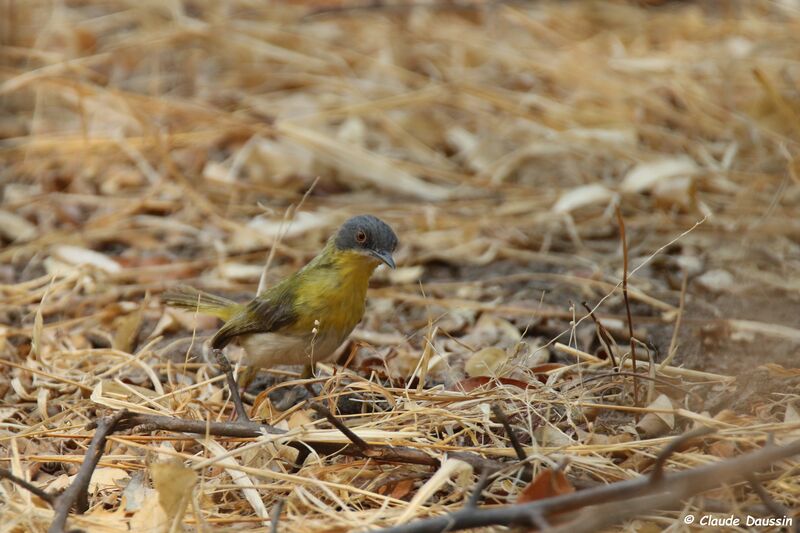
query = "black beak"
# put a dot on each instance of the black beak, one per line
(384, 257)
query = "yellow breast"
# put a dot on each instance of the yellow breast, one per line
(331, 296)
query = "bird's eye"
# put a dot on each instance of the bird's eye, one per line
(361, 237)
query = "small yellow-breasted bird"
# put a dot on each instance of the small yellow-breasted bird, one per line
(307, 316)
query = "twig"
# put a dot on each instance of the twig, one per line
(477, 492)
(773, 506)
(676, 444)
(625, 298)
(673, 343)
(77, 493)
(503, 419)
(246, 429)
(678, 486)
(338, 424)
(225, 365)
(302, 455)
(30, 487)
(276, 516)
(603, 335)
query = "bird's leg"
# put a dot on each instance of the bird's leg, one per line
(226, 367)
(308, 372)
(246, 378)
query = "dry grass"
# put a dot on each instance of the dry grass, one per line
(144, 144)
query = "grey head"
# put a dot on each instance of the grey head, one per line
(369, 235)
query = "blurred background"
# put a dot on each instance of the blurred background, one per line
(166, 141)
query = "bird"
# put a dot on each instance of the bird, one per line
(305, 317)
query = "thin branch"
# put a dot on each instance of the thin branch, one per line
(302, 454)
(338, 424)
(245, 429)
(477, 492)
(679, 443)
(774, 507)
(625, 298)
(30, 487)
(677, 486)
(225, 365)
(503, 419)
(673, 343)
(603, 335)
(276, 516)
(77, 494)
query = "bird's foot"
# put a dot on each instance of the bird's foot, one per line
(283, 399)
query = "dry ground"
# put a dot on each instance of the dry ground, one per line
(146, 144)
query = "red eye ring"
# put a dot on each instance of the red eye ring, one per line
(361, 237)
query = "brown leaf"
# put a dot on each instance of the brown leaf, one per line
(128, 327)
(402, 488)
(722, 448)
(174, 483)
(547, 484)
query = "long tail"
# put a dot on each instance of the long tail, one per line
(187, 297)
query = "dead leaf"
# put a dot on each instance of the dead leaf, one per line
(582, 197)
(722, 448)
(486, 362)
(150, 517)
(127, 329)
(16, 228)
(660, 422)
(492, 330)
(135, 492)
(302, 223)
(76, 256)
(402, 488)
(551, 436)
(645, 176)
(299, 419)
(547, 484)
(174, 483)
(104, 478)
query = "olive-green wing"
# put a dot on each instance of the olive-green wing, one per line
(267, 313)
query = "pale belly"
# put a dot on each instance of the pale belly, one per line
(266, 350)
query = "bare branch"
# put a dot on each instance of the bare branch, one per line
(77, 494)
(603, 335)
(30, 487)
(503, 419)
(675, 486)
(679, 443)
(625, 298)
(338, 424)
(774, 507)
